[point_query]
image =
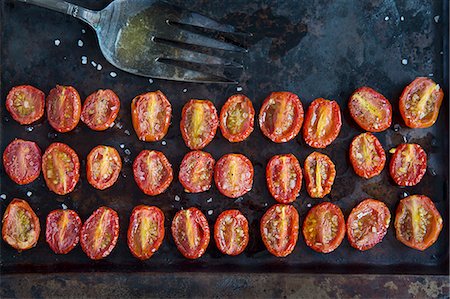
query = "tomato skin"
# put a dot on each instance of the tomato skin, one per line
(138, 219)
(284, 189)
(17, 155)
(233, 175)
(94, 163)
(275, 114)
(63, 108)
(62, 237)
(19, 213)
(317, 161)
(229, 226)
(100, 109)
(145, 177)
(238, 108)
(328, 115)
(411, 103)
(196, 171)
(30, 112)
(370, 166)
(411, 171)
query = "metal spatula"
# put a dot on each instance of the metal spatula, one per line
(156, 39)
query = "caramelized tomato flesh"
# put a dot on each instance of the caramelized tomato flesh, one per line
(25, 103)
(237, 118)
(408, 164)
(319, 174)
(103, 166)
(196, 171)
(22, 161)
(63, 108)
(367, 155)
(100, 109)
(284, 177)
(233, 175)
(62, 230)
(152, 172)
(231, 232)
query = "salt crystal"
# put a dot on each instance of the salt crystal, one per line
(113, 74)
(436, 19)
(57, 42)
(308, 205)
(83, 31)
(430, 75)
(386, 18)
(150, 80)
(84, 60)
(99, 67)
(29, 193)
(29, 129)
(3, 196)
(185, 90)
(80, 43)
(404, 61)
(177, 198)
(122, 145)
(210, 212)
(209, 199)
(163, 142)
(64, 206)
(127, 132)
(239, 88)
(402, 18)
(127, 151)
(94, 64)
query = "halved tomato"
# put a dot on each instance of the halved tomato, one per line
(152, 172)
(100, 109)
(190, 231)
(322, 123)
(196, 171)
(63, 108)
(417, 222)
(146, 231)
(279, 229)
(408, 164)
(420, 103)
(233, 175)
(284, 177)
(199, 123)
(61, 168)
(231, 232)
(22, 161)
(62, 230)
(367, 155)
(25, 103)
(237, 118)
(367, 224)
(281, 116)
(99, 233)
(103, 166)
(319, 174)
(370, 109)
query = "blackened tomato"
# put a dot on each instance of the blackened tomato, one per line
(319, 174)
(63, 108)
(367, 155)
(237, 118)
(196, 171)
(231, 232)
(62, 230)
(152, 172)
(408, 164)
(22, 161)
(233, 175)
(284, 177)
(103, 166)
(100, 109)
(25, 103)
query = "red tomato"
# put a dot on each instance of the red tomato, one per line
(151, 113)
(408, 164)
(63, 108)
(22, 161)
(281, 116)
(20, 225)
(322, 123)
(370, 109)
(103, 166)
(319, 174)
(198, 123)
(420, 103)
(62, 230)
(196, 171)
(152, 172)
(190, 231)
(417, 222)
(233, 175)
(324, 227)
(100, 109)
(237, 118)
(146, 231)
(279, 229)
(25, 103)
(61, 168)
(367, 224)
(231, 232)
(99, 233)
(284, 177)
(367, 155)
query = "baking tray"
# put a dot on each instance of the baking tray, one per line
(312, 48)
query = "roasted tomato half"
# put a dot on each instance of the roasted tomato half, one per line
(25, 103)
(417, 222)
(370, 109)
(319, 174)
(324, 227)
(196, 171)
(281, 116)
(237, 118)
(233, 175)
(231, 232)
(61, 168)
(63, 108)
(284, 177)
(20, 225)
(100, 109)
(408, 164)
(420, 103)
(99, 233)
(367, 155)
(322, 123)
(22, 161)
(367, 224)
(199, 123)
(190, 231)
(103, 166)
(152, 172)
(146, 231)
(62, 230)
